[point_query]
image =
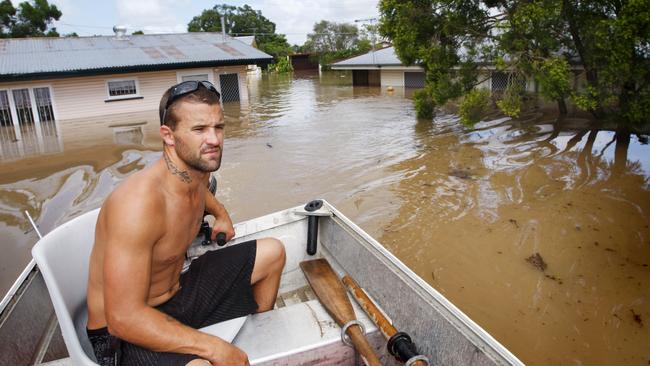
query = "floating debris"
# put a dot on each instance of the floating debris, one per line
(269, 145)
(537, 261)
(636, 317)
(460, 173)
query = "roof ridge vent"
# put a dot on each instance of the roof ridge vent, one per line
(120, 32)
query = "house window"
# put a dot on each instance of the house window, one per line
(197, 77)
(119, 89)
(5, 109)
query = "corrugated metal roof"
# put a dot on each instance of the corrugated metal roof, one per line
(25, 56)
(249, 40)
(383, 57)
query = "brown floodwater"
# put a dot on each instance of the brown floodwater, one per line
(537, 228)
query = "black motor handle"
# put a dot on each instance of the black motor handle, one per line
(206, 230)
(221, 239)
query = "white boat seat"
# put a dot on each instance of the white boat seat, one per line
(62, 257)
(300, 334)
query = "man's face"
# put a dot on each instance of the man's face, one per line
(199, 133)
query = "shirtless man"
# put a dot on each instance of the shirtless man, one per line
(141, 309)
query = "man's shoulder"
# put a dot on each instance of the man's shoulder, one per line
(139, 192)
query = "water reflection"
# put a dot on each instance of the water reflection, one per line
(481, 201)
(463, 207)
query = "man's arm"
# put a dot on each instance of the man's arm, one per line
(131, 230)
(222, 222)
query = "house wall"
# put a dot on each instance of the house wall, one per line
(88, 96)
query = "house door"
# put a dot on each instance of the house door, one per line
(414, 80)
(229, 87)
(360, 77)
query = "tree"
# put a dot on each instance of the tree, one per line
(138, 32)
(335, 41)
(536, 39)
(242, 20)
(30, 19)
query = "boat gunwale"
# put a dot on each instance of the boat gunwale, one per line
(451, 312)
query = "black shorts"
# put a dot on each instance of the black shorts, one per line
(217, 287)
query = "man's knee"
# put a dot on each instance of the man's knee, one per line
(271, 253)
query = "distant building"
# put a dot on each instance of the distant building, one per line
(383, 68)
(43, 79)
(304, 61)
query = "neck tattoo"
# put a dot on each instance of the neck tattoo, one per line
(182, 174)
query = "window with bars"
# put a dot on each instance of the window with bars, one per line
(5, 109)
(122, 89)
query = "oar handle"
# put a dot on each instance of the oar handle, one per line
(369, 307)
(399, 344)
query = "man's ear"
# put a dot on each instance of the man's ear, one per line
(167, 135)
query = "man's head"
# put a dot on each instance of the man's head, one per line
(192, 124)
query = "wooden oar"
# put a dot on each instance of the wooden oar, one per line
(332, 295)
(399, 343)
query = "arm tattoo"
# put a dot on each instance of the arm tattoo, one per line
(182, 174)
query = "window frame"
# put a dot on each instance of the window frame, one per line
(209, 72)
(137, 95)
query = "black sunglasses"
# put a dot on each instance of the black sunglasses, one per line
(184, 88)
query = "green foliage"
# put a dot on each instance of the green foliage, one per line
(242, 20)
(30, 19)
(587, 100)
(474, 106)
(425, 105)
(335, 41)
(283, 65)
(511, 102)
(138, 32)
(450, 39)
(554, 78)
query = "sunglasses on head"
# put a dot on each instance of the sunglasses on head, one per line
(184, 88)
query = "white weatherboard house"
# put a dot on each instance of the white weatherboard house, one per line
(383, 68)
(44, 79)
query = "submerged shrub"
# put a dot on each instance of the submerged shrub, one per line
(474, 106)
(510, 103)
(424, 104)
(282, 66)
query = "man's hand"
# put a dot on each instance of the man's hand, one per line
(228, 355)
(223, 224)
(222, 221)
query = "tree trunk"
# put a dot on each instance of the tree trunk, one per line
(561, 106)
(591, 74)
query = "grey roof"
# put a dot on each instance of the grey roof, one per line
(249, 40)
(383, 57)
(29, 58)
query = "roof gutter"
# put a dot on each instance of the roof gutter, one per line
(262, 62)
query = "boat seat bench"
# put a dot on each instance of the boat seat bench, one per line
(301, 333)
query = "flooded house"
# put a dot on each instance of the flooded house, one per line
(383, 68)
(88, 78)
